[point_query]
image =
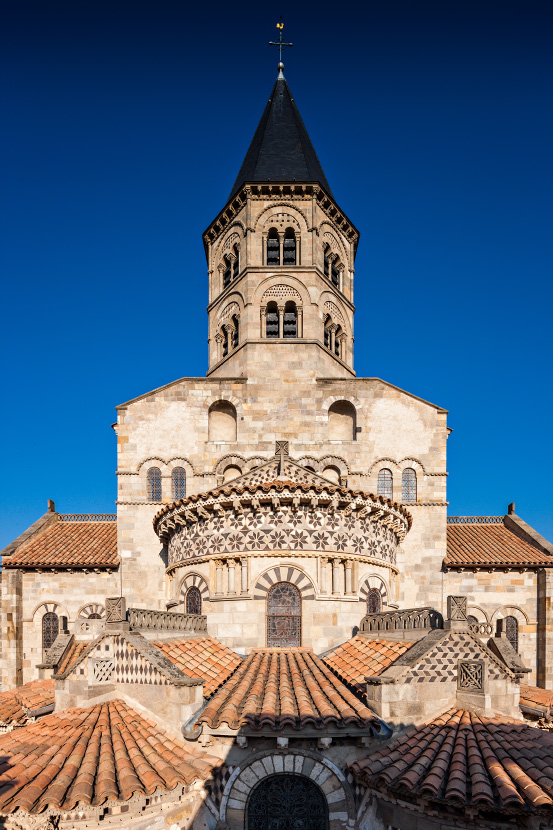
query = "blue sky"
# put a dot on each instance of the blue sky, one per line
(124, 127)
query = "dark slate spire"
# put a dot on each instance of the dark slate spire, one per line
(281, 150)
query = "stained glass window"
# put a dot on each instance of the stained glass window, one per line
(287, 802)
(409, 485)
(50, 629)
(283, 615)
(193, 601)
(374, 601)
(154, 484)
(385, 484)
(178, 477)
(511, 630)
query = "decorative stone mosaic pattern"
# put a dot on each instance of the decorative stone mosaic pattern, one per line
(441, 663)
(129, 665)
(266, 529)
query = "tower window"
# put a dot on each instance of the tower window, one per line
(334, 274)
(283, 615)
(271, 329)
(290, 323)
(235, 331)
(225, 341)
(235, 262)
(273, 247)
(326, 261)
(227, 273)
(193, 601)
(337, 340)
(289, 251)
(409, 485)
(385, 484)
(178, 478)
(374, 601)
(154, 484)
(327, 325)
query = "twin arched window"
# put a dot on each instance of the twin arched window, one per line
(289, 320)
(231, 266)
(331, 269)
(154, 484)
(289, 247)
(334, 337)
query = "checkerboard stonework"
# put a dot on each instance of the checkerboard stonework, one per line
(280, 626)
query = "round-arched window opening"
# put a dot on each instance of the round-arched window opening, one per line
(290, 320)
(273, 247)
(511, 631)
(50, 629)
(193, 601)
(385, 484)
(222, 421)
(286, 802)
(283, 616)
(332, 473)
(289, 248)
(374, 601)
(342, 421)
(231, 472)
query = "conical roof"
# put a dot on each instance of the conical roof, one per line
(281, 150)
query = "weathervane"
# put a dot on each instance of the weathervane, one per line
(280, 42)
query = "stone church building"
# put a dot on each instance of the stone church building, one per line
(281, 627)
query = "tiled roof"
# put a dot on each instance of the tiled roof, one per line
(69, 544)
(490, 544)
(285, 687)
(466, 759)
(536, 698)
(203, 657)
(32, 696)
(90, 755)
(73, 653)
(361, 656)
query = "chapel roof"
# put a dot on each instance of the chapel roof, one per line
(87, 756)
(491, 541)
(466, 759)
(73, 541)
(281, 687)
(281, 150)
(361, 656)
(539, 701)
(16, 705)
(202, 657)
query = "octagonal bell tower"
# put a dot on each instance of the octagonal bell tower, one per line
(281, 259)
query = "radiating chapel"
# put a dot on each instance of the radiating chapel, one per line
(281, 628)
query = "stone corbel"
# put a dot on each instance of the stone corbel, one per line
(237, 506)
(256, 504)
(275, 501)
(219, 509)
(202, 512)
(314, 502)
(376, 515)
(296, 503)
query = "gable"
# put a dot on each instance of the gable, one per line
(439, 663)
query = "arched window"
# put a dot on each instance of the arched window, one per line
(154, 484)
(471, 620)
(193, 601)
(231, 472)
(235, 262)
(222, 421)
(511, 631)
(178, 479)
(235, 331)
(273, 247)
(272, 320)
(289, 250)
(283, 615)
(409, 485)
(326, 261)
(289, 802)
(334, 274)
(385, 484)
(290, 323)
(337, 340)
(342, 418)
(332, 473)
(327, 338)
(224, 332)
(374, 601)
(227, 273)
(50, 629)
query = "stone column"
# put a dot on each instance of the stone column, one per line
(229, 328)
(336, 574)
(300, 321)
(219, 579)
(281, 321)
(244, 582)
(231, 258)
(221, 269)
(323, 562)
(281, 248)
(298, 247)
(332, 328)
(231, 564)
(263, 321)
(219, 342)
(348, 566)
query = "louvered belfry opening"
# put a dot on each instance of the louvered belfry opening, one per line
(272, 320)
(290, 323)
(273, 247)
(235, 331)
(287, 802)
(289, 249)
(283, 616)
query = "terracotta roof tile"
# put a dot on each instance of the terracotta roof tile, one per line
(285, 687)
(360, 656)
(73, 653)
(490, 544)
(90, 755)
(203, 657)
(30, 696)
(69, 544)
(464, 759)
(536, 698)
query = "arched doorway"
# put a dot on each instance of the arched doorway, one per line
(287, 802)
(283, 616)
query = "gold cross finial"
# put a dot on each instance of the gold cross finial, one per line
(281, 44)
